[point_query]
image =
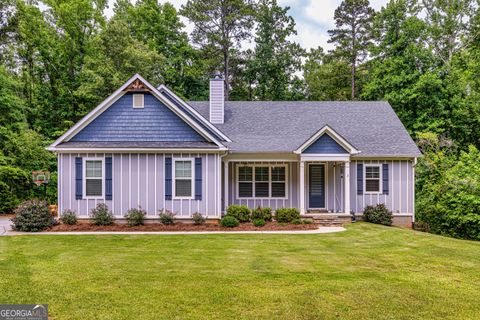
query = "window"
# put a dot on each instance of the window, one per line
(261, 181)
(183, 179)
(93, 178)
(372, 179)
(138, 101)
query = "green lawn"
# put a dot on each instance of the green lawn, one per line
(366, 272)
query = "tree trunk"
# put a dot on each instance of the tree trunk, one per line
(226, 73)
(353, 78)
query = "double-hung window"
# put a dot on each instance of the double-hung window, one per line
(261, 181)
(183, 179)
(93, 178)
(372, 178)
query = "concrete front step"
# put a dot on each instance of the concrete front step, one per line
(328, 219)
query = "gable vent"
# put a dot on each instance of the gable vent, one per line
(138, 101)
(217, 99)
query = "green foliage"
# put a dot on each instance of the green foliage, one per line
(32, 216)
(198, 219)
(166, 217)
(378, 214)
(68, 217)
(229, 222)
(135, 217)
(262, 213)
(14, 187)
(287, 215)
(241, 212)
(259, 222)
(101, 216)
(449, 200)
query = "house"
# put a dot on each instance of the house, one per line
(145, 146)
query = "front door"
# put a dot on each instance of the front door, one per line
(316, 182)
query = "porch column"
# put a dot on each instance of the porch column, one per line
(225, 185)
(347, 187)
(302, 187)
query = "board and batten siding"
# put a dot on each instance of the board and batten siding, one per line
(400, 198)
(138, 180)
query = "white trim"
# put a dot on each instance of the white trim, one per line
(84, 178)
(132, 150)
(346, 175)
(324, 185)
(324, 157)
(197, 114)
(335, 136)
(114, 97)
(253, 166)
(192, 178)
(380, 174)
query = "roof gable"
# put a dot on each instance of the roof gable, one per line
(122, 122)
(138, 84)
(325, 144)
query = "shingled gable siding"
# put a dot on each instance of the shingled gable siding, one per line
(400, 196)
(138, 180)
(154, 122)
(325, 144)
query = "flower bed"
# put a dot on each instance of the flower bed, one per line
(269, 226)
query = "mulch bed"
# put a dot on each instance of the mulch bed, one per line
(270, 226)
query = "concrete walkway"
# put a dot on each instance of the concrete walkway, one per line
(316, 231)
(5, 225)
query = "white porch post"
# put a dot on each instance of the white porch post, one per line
(225, 185)
(302, 187)
(347, 187)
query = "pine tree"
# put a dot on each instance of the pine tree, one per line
(353, 19)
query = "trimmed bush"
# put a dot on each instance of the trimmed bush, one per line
(198, 219)
(287, 215)
(101, 216)
(378, 214)
(307, 221)
(68, 217)
(296, 221)
(32, 216)
(241, 213)
(262, 213)
(135, 217)
(229, 222)
(259, 222)
(167, 217)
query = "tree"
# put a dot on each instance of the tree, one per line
(219, 27)
(276, 59)
(351, 36)
(158, 26)
(326, 77)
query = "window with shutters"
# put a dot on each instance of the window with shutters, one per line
(262, 181)
(93, 178)
(183, 179)
(138, 101)
(373, 179)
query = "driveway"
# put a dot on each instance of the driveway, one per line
(5, 224)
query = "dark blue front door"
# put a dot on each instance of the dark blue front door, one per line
(316, 193)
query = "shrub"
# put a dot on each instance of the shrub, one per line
(287, 215)
(307, 221)
(241, 213)
(32, 215)
(258, 222)
(167, 217)
(68, 217)
(101, 216)
(378, 214)
(262, 213)
(229, 222)
(296, 221)
(135, 217)
(198, 219)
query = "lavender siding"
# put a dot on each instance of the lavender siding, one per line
(138, 180)
(400, 198)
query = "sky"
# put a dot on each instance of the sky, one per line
(313, 18)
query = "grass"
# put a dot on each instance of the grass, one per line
(367, 272)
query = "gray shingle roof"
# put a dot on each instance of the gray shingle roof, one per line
(274, 126)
